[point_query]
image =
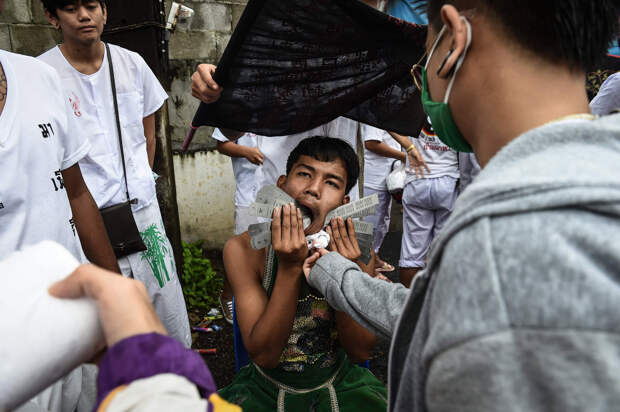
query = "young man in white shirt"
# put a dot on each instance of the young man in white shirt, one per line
(83, 65)
(608, 97)
(246, 159)
(428, 198)
(380, 154)
(42, 193)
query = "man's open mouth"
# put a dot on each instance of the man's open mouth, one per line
(306, 211)
(312, 214)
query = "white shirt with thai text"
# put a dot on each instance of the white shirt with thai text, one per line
(139, 95)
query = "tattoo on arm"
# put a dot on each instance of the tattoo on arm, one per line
(3, 85)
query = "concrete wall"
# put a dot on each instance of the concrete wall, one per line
(211, 29)
(24, 28)
(205, 183)
(205, 194)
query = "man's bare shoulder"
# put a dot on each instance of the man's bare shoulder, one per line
(240, 244)
(241, 259)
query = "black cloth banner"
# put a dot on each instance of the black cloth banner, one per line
(292, 65)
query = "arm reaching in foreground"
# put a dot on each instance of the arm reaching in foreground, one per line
(124, 306)
(143, 370)
(373, 303)
(356, 340)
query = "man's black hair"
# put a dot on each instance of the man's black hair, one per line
(327, 149)
(53, 5)
(574, 33)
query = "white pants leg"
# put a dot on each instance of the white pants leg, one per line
(62, 396)
(381, 218)
(88, 396)
(427, 203)
(156, 268)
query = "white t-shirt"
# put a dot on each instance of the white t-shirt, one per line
(608, 97)
(441, 160)
(377, 167)
(139, 95)
(276, 149)
(244, 170)
(38, 139)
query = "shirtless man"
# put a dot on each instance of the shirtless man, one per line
(293, 337)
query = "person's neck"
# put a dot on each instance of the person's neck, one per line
(85, 58)
(515, 98)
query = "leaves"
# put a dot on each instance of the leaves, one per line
(201, 284)
(156, 253)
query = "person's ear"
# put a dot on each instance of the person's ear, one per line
(346, 199)
(456, 32)
(105, 14)
(281, 181)
(52, 19)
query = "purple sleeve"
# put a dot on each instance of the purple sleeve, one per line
(144, 356)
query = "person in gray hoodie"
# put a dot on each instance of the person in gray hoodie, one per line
(517, 309)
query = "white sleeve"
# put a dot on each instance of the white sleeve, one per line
(75, 144)
(371, 133)
(154, 94)
(219, 136)
(608, 97)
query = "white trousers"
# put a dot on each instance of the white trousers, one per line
(427, 204)
(74, 392)
(381, 218)
(156, 268)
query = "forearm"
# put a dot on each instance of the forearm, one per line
(151, 140)
(232, 149)
(270, 333)
(373, 303)
(92, 232)
(403, 141)
(151, 145)
(385, 150)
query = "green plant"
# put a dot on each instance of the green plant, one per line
(201, 285)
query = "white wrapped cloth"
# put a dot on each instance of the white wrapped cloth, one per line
(319, 240)
(43, 338)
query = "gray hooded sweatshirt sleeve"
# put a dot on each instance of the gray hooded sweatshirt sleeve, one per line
(517, 309)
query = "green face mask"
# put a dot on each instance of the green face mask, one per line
(439, 112)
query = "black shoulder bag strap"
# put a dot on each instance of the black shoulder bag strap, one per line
(118, 219)
(118, 121)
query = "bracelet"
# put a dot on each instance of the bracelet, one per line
(410, 148)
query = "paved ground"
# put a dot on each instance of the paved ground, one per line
(222, 365)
